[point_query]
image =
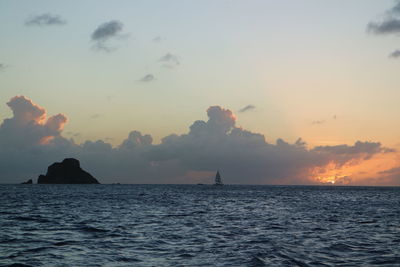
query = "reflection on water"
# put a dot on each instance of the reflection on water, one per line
(175, 225)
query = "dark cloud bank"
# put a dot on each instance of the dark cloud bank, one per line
(29, 142)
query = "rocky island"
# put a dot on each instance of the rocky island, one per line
(68, 171)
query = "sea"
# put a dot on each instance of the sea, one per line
(198, 225)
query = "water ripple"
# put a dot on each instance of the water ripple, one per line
(171, 225)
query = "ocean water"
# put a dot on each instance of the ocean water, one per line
(193, 225)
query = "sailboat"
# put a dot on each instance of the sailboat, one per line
(218, 180)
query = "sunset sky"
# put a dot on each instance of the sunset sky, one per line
(323, 71)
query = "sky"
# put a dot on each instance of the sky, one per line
(269, 92)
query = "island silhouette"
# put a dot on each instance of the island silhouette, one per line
(68, 171)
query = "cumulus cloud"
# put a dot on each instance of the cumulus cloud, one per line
(29, 142)
(45, 20)
(395, 54)
(106, 32)
(247, 108)
(169, 60)
(29, 126)
(136, 139)
(148, 78)
(246, 157)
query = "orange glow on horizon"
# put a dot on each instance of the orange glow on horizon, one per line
(331, 174)
(363, 172)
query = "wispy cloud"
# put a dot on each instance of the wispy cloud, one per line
(169, 60)
(147, 78)
(391, 175)
(3, 66)
(110, 97)
(106, 32)
(95, 116)
(247, 108)
(318, 122)
(73, 134)
(46, 19)
(157, 39)
(395, 170)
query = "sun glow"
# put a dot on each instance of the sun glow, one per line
(331, 174)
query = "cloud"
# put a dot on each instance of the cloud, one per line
(388, 26)
(29, 126)
(148, 78)
(106, 32)
(395, 170)
(73, 134)
(30, 141)
(318, 122)
(157, 39)
(95, 116)
(390, 23)
(395, 10)
(110, 97)
(395, 54)
(388, 177)
(45, 20)
(169, 60)
(360, 150)
(246, 157)
(136, 139)
(3, 66)
(247, 108)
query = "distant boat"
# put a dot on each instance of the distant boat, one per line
(218, 180)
